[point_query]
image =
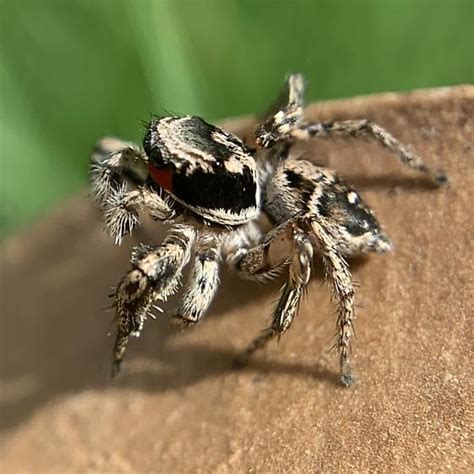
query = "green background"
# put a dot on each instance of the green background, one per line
(72, 71)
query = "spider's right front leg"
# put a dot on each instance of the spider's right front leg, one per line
(155, 276)
(112, 163)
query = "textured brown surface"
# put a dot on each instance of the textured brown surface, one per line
(180, 408)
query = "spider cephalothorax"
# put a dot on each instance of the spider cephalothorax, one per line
(215, 192)
(203, 168)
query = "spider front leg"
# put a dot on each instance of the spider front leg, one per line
(355, 128)
(114, 162)
(118, 172)
(203, 281)
(155, 275)
(287, 307)
(121, 210)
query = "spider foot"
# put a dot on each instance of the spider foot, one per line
(116, 367)
(133, 300)
(240, 361)
(120, 347)
(181, 322)
(347, 378)
(441, 179)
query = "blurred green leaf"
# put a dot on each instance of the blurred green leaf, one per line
(72, 71)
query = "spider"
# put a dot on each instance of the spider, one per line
(217, 196)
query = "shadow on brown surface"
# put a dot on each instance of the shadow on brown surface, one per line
(75, 304)
(179, 406)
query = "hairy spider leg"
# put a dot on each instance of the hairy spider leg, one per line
(285, 123)
(264, 257)
(363, 127)
(203, 280)
(155, 275)
(338, 273)
(284, 115)
(291, 294)
(118, 173)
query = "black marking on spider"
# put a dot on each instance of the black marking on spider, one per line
(204, 168)
(212, 190)
(343, 204)
(218, 190)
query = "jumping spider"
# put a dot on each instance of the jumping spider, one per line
(213, 190)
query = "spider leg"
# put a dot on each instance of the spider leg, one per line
(362, 127)
(337, 270)
(118, 172)
(112, 163)
(203, 280)
(121, 210)
(287, 307)
(284, 124)
(264, 257)
(284, 114)
(155, 275)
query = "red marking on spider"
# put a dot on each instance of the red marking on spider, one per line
(164, 177)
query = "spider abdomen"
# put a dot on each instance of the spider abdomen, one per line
(300, 187)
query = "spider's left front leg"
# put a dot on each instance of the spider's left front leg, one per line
(287, 307)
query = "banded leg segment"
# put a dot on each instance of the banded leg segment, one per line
(203, 280)
(154, 276)
(264, 260)
(287, 307)
(337, 271)
(285, 114)
(354, 128)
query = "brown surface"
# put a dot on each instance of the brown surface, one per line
(180, 408)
